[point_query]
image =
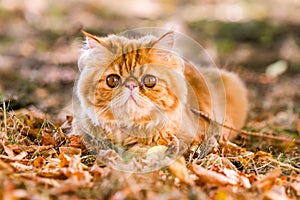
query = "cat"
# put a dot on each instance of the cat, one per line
(137, 91)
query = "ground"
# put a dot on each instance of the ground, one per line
(40, 42)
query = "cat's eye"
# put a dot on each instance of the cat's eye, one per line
(149, 80)
(113, 80)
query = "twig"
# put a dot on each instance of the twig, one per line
(281, 138)
(5, 119)
(284, 164)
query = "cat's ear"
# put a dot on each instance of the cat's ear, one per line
(163, 49)
(92, 41)
(100, 52)
(166, 41)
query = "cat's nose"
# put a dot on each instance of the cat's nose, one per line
(131, 85)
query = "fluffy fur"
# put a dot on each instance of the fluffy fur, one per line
(150, 114)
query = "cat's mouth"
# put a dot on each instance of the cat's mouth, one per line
(131, 98)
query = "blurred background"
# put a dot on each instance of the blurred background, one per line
(260, 40)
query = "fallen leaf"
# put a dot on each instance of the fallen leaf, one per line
(100, 172)
(20, 194)
(268, 181)
(179, 169)
(277, 192)
(4, 167)
(20, 167)
(156, 152)
(76, 141)
(75, 163)
(17, 148)
(277, 68)
(70, 151)
(43, 180)
(212, 177)
(64, 188)
(64, 162)
(39, 162)
(52, 173)
(262, 155)
(296, 185)
(7, 149)
(19, 157)
(47, 139)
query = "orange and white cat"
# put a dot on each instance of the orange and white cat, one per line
(138, 91)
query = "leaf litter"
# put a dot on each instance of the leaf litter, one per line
(37, 152)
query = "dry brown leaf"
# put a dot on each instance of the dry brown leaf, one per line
(20, 156)
(100, 172)
(78, 178)
(262, 155)
(179, 169)
(82, 177)
(64, 188)
(96, 171)
(47, 181)
(75, 163)
(212, 176)
(75, 181)
(243, 180)
(51, 173)
(4, 167)
(296, 185)
(240, 178)
(277, 192)
(11, 192)
(20, 167)
(64, 161)
(76, 141)
(39, 162)
(268, 181)
(7, 149)
(73, 166)
(52, 163)
(70, 151)
(17, 148)
(47, 139)
(10, 159)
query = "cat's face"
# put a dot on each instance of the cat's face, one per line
(131, 82)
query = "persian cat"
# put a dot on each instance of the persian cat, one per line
(138, 91)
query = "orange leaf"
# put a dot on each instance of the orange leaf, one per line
(268, 181)
(52, 173)
(64, 162)
(179, 169)
(70, 151)
(39, 162)
(47, 139)
(76, 141)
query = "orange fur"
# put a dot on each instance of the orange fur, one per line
(235, 93)
(150, 112)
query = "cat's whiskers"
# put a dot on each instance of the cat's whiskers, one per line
(102, 110)
(154, 122)
(119, 100)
